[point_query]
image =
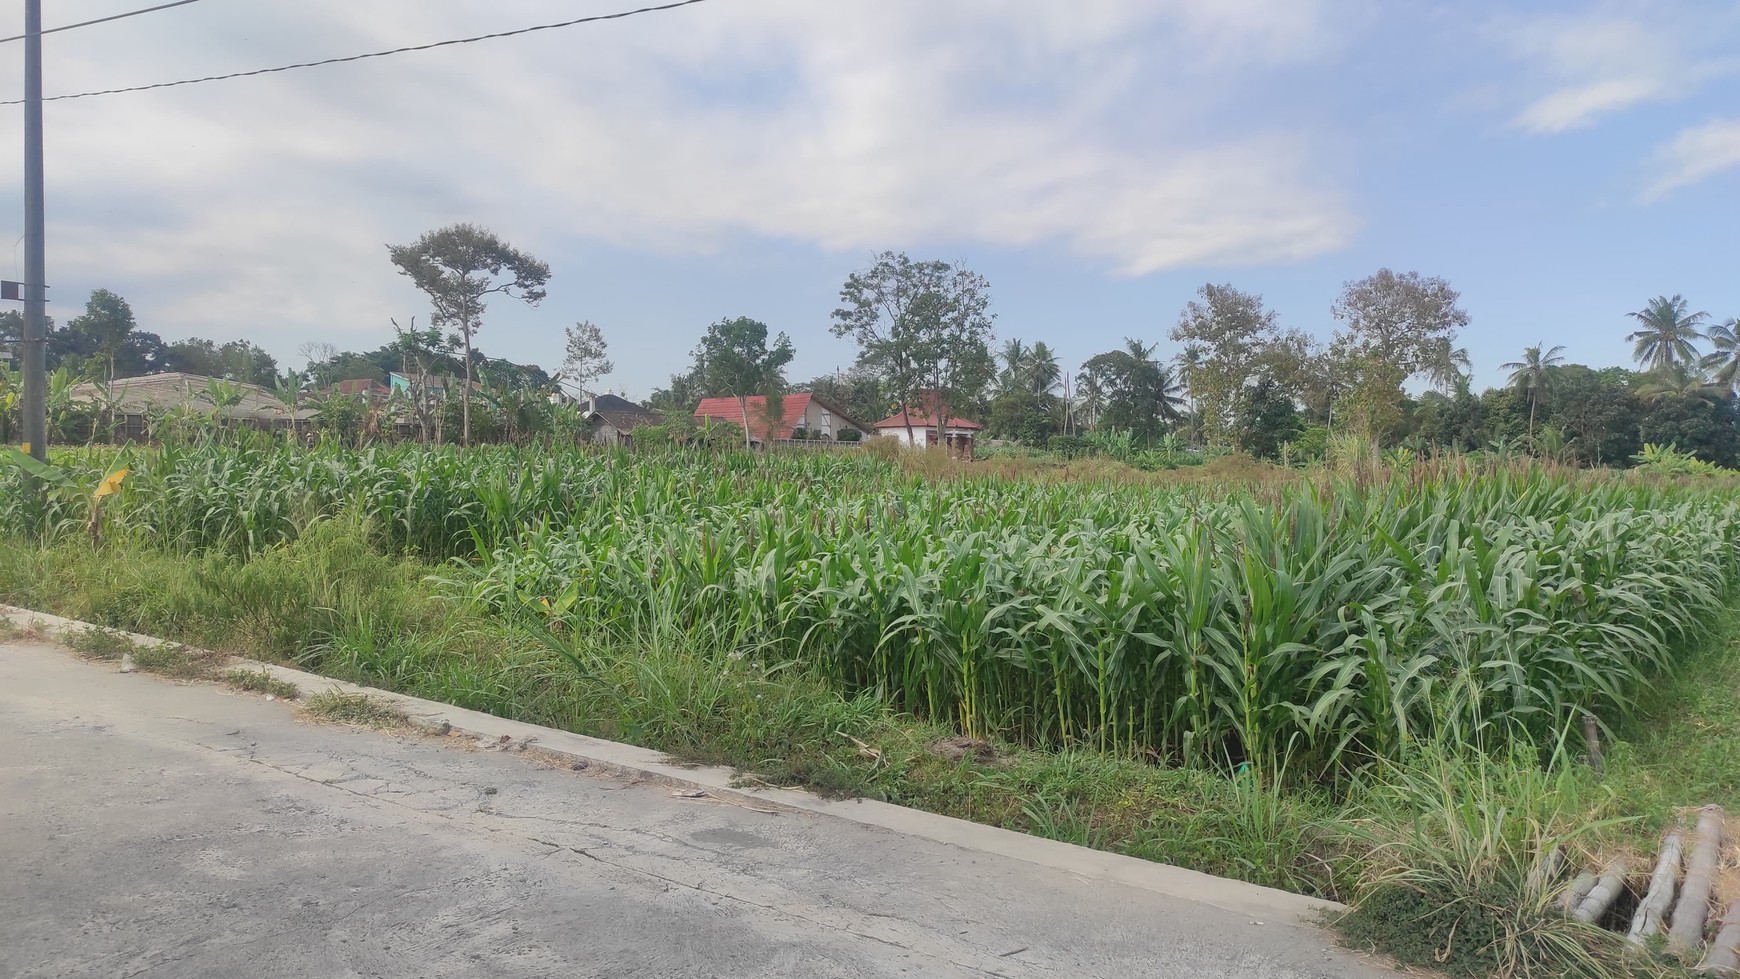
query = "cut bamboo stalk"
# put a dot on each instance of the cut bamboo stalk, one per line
(1686, 931)
(1652, 911)
(1580, 887)
(1723, 959)
(1604, 893)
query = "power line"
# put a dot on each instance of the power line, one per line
(104, 20)
(372, 54)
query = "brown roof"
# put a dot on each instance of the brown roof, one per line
(926, 421)
(792, 408)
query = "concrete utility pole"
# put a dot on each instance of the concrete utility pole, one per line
(35, 275)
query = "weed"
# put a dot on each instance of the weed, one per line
(354, 708)
(260, 681)
(99, 643)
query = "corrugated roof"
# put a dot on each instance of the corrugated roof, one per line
(161, 392)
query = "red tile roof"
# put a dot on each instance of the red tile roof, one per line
(792, 408)
(926, 421)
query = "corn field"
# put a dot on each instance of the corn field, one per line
(1303, 631)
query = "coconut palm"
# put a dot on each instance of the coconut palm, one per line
(1043, 372)
(1446, 364)
(1724, 363)
(1533, 376)
(1680, 380)
(1669, 336)
(1017, 358)
(1090, 398)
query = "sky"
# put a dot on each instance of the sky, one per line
(1559, 163)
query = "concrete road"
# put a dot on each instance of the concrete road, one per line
(149, 828)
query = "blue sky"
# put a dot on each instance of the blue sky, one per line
(1559, 163)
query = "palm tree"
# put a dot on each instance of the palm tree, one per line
(1091, 397)
(1680, 380)
(1446, 364)
(1017, 359)
(1669, 336)
(1724, 363)
(1043, 372)
(1533, 376)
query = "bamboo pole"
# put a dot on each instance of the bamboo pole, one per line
(1580, 887)
(1686, 932)
(1652, 911)
(1604, 893)
(1724, 955)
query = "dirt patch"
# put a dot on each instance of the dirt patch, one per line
(960, 748)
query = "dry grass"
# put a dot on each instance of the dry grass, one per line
(354, 708)
(259, 681)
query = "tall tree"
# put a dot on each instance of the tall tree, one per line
(585, 360)
(924, 328)
(1397, 327)
(1140, 393)
(1224, 331)
(1669, 335)
(108, 319)
(459, 267)
(735, 359)
(1724, 362)
(1534, 374)
(1264, 418)
(1447, 365)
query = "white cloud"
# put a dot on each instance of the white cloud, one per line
(1614, 57)
(259, 206)
(1695, 154)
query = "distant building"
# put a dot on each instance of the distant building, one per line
(135, 399)
(614, 419)
(366, 387)
(819, 418)
(959, 434)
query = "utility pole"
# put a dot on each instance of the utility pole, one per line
(35, 289)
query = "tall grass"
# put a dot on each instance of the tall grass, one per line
(1312, 628)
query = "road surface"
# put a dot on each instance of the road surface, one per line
(149, 828)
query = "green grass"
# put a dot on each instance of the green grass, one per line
(260, 681)
(353, 708)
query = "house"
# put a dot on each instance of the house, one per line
(614, 419)
(134, 400)
(818, 417)
(959, 434)
(367, 388)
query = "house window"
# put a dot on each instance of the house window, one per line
(827, 422)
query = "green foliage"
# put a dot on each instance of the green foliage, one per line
(1668, 460)
(1264, 418)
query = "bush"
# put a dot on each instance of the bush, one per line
(849, 435)
(1070, 446)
